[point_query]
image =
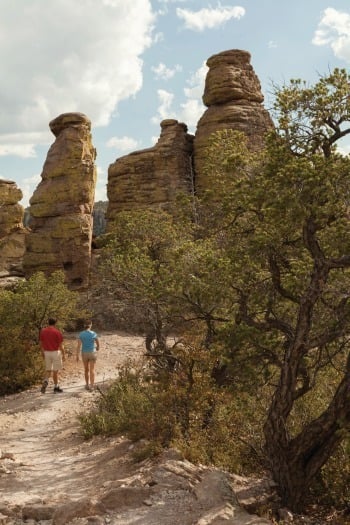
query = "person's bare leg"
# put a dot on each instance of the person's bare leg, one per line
(86, 373)
(55, 377)
(92, 374)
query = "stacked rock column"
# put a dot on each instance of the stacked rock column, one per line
(62, 204)
(234, 99)
(12, 231)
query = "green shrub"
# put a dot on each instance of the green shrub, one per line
(128, 407)
(23, 312)
(183, 409)
(21, 365)
(335, 477)
(208, 424)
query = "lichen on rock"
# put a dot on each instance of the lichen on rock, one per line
(12, 231)
(234, 100)
(152, 178)
(62, 204)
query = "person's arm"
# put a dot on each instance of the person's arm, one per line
(63, 350)
(78, 349)
(41, 346)
(97, 344)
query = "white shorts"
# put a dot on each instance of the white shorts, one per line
(53, 360)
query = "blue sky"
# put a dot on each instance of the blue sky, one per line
(130, 64)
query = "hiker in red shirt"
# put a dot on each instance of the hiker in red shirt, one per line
(51, 342)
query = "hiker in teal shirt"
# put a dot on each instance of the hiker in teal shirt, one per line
(88, 345)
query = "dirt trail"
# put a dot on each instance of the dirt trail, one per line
(50, 475)
(51, 461)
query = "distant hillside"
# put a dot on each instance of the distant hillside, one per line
(99, 215)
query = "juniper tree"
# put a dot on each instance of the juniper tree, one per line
(288, 239)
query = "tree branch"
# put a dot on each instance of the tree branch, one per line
(276, 280)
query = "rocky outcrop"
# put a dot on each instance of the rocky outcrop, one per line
(168, 491)
(62, 204)
(234, 100)
(12, 231)
(152, 177)
(60, 213)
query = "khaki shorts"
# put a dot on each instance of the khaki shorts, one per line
(88, 356)
(53, 360)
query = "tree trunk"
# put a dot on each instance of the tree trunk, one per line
(294, 462)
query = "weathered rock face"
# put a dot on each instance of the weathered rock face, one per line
(152, 177)
(11, 216)
(12, 231)
(234, 100)
(62, 204)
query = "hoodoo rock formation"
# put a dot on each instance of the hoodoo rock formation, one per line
(62, 204)
(12, 231)
(61, 224)
(152, 177)
(234, 99)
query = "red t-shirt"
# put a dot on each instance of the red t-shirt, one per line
(50, 338)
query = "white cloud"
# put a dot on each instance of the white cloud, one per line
(23, 144)
(164, 110)
(123, 144)
(191, 109)
(101, 185)
(191, 112)
(62, 56)
(334, 30)
(28, 185)
(196, 83)
(25, 151)
(209, 18)
(165, 73)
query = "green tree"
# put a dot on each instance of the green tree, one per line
(288, 239)
(138, 268)
(161, 277)
(264, 273)
(312, 119)
(23, 312)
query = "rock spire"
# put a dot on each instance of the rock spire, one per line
(12, 232)
(234, 99)
(62, 204)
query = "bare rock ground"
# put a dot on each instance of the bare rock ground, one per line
(50, 475)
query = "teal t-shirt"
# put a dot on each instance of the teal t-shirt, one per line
(87, 338)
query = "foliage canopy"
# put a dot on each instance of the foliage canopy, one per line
(261, 276)
(23, 313)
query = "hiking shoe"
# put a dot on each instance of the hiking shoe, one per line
(87, 387)
(57, 390)
(44, 387)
